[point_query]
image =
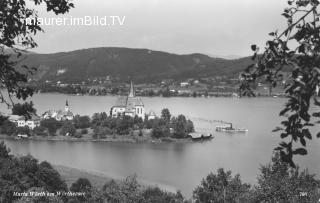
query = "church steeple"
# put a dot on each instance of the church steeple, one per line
(131, 93)
(66, 108)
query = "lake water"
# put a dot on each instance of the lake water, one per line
(173, 165)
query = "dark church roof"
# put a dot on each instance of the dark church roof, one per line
(121, 102)
(130, 101)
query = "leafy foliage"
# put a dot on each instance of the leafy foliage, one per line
(84, 131)
(51, 124)
(68, 128)
(4, 151)
(23, 173)
(221, 187)
(39, 130)
(160, 128)
(129, 190)
(181, 126)
(166, 115)
(26, 109)
(122, 125)
(298, 49)
(81, 121)
(98, 118)
(82, 185)
(23, 130)
(8, 127)
(36, 199)
(156, 195)
(101, 132)
(125, 191)
(16, 35)
(278, 182)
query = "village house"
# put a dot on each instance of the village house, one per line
(151, 115)
(21, 121)
(184, 84)
(59, 115)
(128, 105)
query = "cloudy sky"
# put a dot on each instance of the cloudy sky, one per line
(215, 27)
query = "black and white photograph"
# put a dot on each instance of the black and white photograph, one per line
(159, 101)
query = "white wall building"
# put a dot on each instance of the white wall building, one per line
(152, 115)
(130, 105)
(20, 121)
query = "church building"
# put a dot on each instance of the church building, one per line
(59, 115)
(128, 105)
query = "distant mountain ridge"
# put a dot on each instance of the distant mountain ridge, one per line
(138, 64)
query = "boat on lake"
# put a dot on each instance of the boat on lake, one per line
(230, 129)
(200, 136)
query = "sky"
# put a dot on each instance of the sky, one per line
(213, 27)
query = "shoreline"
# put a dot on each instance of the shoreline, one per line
(216, 95)
(118, 139)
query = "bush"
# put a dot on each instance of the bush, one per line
(127, 190)
(78, 135)
(97, 118)
(82, 121)
(51, 124)
(24, 173)
(100, 132)
(3, 119)
(189, 127)
(68, 129)
(38, 199)
(39, 130)
(82, 185)
(278, 182)
(156, 195)
(181, 126)
(25, 109)
(23, 130)
(4, 151)
(221, 187)
(123, 125)
(148, 123)
(160, 128)
(7, 127)
(84, 131)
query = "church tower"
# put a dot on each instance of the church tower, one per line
(131, 93)
(66, 108)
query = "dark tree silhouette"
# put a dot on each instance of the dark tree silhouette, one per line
(220, 188)
(17, 36)
(166, 115)
(296, 49)
(25, 109)
(278, 182)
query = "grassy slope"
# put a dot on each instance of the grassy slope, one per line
(70, 175)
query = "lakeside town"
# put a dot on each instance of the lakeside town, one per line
(218, 86)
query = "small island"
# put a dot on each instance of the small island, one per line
(126, 122)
